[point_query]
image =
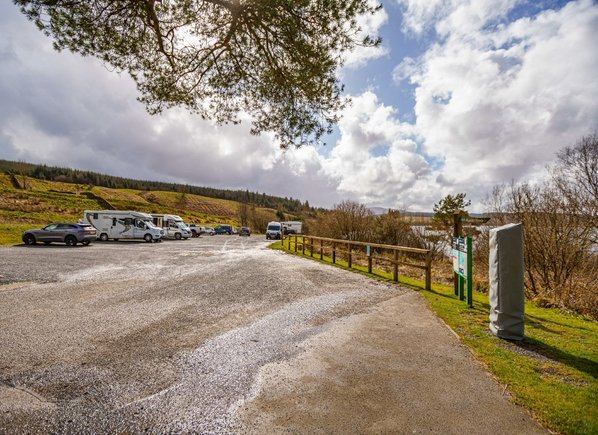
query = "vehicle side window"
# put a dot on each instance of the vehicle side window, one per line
(113, 222)
(73, 227)
(50, 227)
(63, 226)
(141, 224)
(128, 221)
(95, 215)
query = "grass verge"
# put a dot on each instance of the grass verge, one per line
(10, 234)
(553, 372)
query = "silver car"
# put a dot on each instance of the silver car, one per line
(68, 233)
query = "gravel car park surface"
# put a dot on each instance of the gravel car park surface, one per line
(220, 334)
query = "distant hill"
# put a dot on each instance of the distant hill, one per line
(68, 175)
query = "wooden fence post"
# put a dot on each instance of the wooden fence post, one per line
(333, 252)
(296, 238)
(370, 262)
(311, 247)
(303, 245)
(321, 249)
(429, 270)
(395, 266)
(349, 251)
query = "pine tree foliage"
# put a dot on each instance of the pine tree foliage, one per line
(276, 60)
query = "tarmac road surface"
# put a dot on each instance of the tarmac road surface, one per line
(222, 335)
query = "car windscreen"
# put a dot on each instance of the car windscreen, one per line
(274, 227)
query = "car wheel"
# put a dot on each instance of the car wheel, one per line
(29, 239)
(70, 240)
(104, 237)
(177, 236)
(47, 243)
(147, 238)
(85, 242)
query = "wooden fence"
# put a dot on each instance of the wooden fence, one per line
(314, 245)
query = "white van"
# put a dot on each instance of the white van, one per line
(173, 226)
(274, 230)
(123, 224)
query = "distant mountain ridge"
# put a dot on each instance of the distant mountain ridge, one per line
(377, 211)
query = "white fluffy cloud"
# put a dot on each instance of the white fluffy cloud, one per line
(369, 25)
(360, 171)
(495, 101)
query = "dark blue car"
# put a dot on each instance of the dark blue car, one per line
(223, 229)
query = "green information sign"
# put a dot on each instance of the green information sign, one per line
(461, 256)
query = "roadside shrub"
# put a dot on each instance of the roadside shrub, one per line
(348, 220)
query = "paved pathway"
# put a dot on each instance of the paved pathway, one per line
(221, 335)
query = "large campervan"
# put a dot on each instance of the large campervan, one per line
(123, 224)
(291, 227)
(173, 226)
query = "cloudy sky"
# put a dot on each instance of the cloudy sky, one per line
(462, 95)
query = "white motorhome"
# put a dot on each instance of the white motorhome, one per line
(291, 227)
(123, 224)
(173, 226)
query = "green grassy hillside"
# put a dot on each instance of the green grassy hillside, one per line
(29, 202)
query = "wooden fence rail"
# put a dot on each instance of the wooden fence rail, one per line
(351, 249)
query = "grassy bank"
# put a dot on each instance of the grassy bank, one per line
(553, 372)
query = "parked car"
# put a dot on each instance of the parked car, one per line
(245, 231)
(196, 230)
(209, 231)
(62, 232)
(223, 229)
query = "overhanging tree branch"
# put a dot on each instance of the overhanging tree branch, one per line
(274, 59)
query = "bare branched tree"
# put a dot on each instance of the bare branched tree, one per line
(348, 221)
(559, 216)
(244, 212)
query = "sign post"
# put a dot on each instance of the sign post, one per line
(457, 230)
(461, 255)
